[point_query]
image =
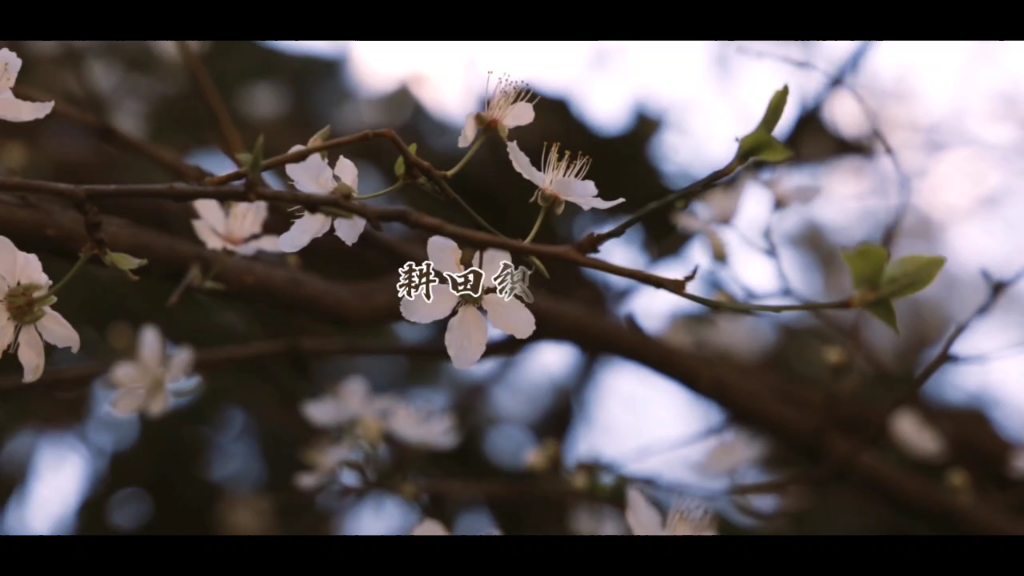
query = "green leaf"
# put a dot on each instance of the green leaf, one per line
(884, 311)
(320, 137)
(256, 158)
(124, 262)
(910, 275)
(400, 163)
(867, 265)
(762, 146)
(244, 158)
(776, 107)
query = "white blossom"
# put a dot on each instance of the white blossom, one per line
(239, 230)
(145, 384)
(26, 319)
(466, 336)
(430, 527)
(508, 107)
(916, 437)
(353, 401)
(736, 452)
(560, 179)
(433, 527)
(314, 176)
(688, 517)
(13, 109)
(327, 461)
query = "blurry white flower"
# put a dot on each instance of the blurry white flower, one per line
(145, 383)
(916, 437)
(26, 318)
(561, 180)
(11, 108)
(353, 401)
(238, 230)
(466, 337)
(688, 517)
(430, 527)
(739, 451)
(350, 400)
(508, 107)
(596, 519)
(433, 527)
(327, 461)
(423, 428)
(314, 176)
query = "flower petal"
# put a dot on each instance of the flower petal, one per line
(129, 374)
(466, 337)
(355, 393)
(30, 270)
(430, 527)
(10, 65)
(324, 412)
(520, 114)
(30, 353)
(303, 231)
(7, 327)
(347, 172)
(437, 431)
(492, 264)
(445, 254)
(643, 518)
(349, 229)
(313, 175)
(159, 402)
(522, 165)
(129, 401)
(245, 220)
(149, 348)
(468, 131)
(265, 243)
(309, 480)
(571, 188)
(8, 262)
(206, 233)
(180, 364)
(14, 110)
(588, 203)
(510, 316)
(58, 331)
(212, 212)
(422, 312)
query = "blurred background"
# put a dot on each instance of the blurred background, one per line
(940, 125)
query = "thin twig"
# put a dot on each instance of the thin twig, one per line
(166, 158)
(407, 216)
(231, 137)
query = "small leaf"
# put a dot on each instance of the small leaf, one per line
(124, 262)
(763, 147)
(400, 163)
(540, 267)
(910, 275)
(256, 158)
(867, 265)
(884, 311)
(775, 109)
(320, 137)
(244, 158)
(211, 285)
